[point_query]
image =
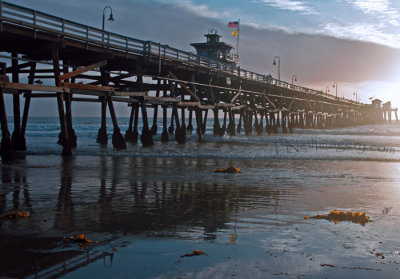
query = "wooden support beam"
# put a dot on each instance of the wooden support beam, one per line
(87, 87)
(10, 87)
(18, 67)
(130, 94)
(188, 104)
(124, 100)
(237, 95)
(82, 70)
(161, 99)
(239, 107)
(291, 104)
(270, 101)
(205, 107)
(225, 105)
(185, 87)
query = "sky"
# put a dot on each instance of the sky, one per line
(352, 43)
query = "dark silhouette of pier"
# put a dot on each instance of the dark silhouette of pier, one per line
(86, 64)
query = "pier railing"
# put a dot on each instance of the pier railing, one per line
(39, 21)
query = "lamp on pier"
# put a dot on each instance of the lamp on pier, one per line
(335, 86)
(279, 66)
(294, 78)
(110, 19)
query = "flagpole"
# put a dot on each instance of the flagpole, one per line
(237, 41)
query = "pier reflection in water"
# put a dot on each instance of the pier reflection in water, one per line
(148, 211)
(105, 197)
(153, 196)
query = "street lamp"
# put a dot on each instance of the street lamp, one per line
(335, 86)
(355, 93)
(279, 66)
(110, 19)
(294, 78)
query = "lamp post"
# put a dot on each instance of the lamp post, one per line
(294, 78)
(279, 66)
(355, 93)
(335, 86)
(110, 19)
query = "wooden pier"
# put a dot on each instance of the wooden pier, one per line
(72, 62)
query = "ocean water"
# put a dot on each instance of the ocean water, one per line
(369, 142)
(150, 208)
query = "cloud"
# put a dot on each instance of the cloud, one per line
(201, 9)
(361, 31)
(295, 6)
(371, 6)
(383, 8)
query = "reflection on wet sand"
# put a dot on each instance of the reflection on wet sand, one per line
(65, 206)
(139, 201)
(13, 179)
(111, 195)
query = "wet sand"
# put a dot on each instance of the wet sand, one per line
(147, 213)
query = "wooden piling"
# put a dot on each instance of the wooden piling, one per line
(189, 128)
(223, 129)
(231, 125)
(134, 137)
(7, 152)
(171, 126)
(118, 141)
(63, 136)
(180, 133)
(246, 122)
(261, 123)
(17, 139)
(268, 127)
(216, 127)
(102, 136)
(128, 132)
(198, 122)
(301, 120)
(250, 123)
(284, 122)
(172, 91)
(257, 125)
(291, 122)
(155, 107)
(239, 126)
(204, 125)
(272, 122)
(164, 134)
(183, 122)
(27, 103)
(146, 137)
(68, 116)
